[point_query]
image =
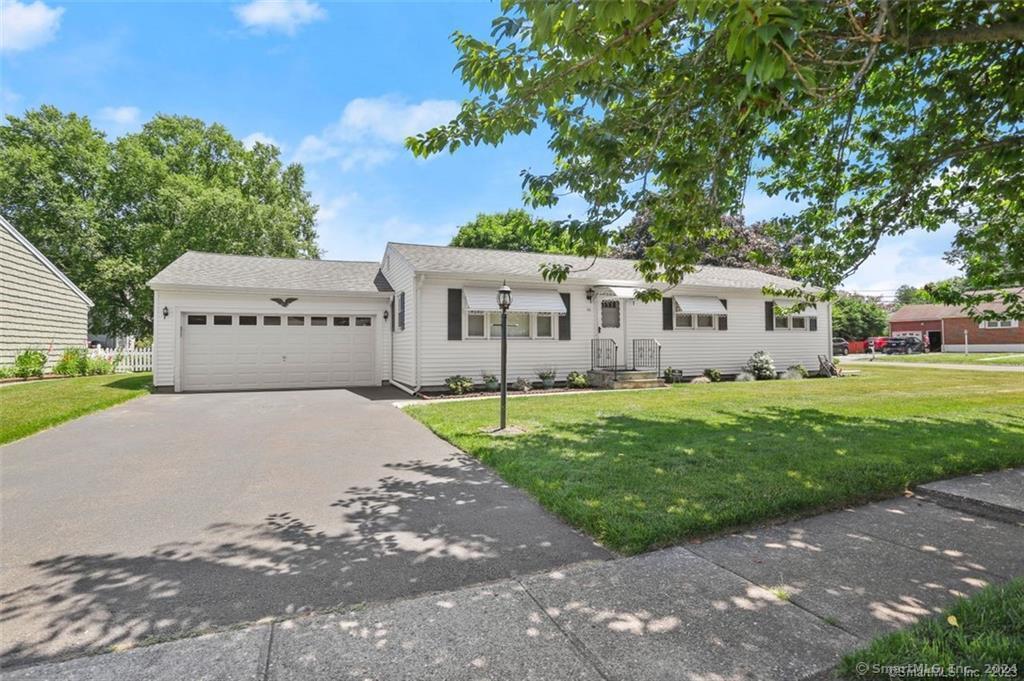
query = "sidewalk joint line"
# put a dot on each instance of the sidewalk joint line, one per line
(577, 644)
(264, 673)
(791, 601)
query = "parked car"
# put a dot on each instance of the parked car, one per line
(840, 346)
(905, 345)
(878, 342)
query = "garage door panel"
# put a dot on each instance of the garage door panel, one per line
(264, 355)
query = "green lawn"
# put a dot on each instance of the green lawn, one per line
(27, 408)
(641, 469)
(1016, 359)
(987, 633)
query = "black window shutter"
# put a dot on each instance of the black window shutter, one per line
(769, 315)
(667, 314)
(565, 320)
(813, 323)
(723, 322)
(455, 314)
(401, 311)
(392, 315)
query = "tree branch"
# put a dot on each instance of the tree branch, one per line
(1013, 30)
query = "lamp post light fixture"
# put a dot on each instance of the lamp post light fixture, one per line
(504, 302)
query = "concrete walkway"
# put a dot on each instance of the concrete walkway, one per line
(780, 602)
(998, 368)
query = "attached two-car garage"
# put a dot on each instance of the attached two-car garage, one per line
(225, 322)
(261, 351)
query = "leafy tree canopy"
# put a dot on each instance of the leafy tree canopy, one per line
(760, 246)
(113, 214)
(877, 116)
(513, 230)
(857, 317)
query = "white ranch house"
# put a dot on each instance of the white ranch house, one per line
(425, 313)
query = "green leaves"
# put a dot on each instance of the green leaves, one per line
(112, 214)
(669, 107)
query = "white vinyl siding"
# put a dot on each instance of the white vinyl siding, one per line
(690, 353)
(402, 280)
(38, 311)
(168, 352)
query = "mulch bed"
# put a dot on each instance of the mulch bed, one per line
(495, 393)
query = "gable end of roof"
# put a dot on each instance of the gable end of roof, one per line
(20, 238)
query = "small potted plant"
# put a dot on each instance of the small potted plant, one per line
(547, 377)
(490, 381)
(522, 385)
(668, 376)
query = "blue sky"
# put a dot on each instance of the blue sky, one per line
(337, 86)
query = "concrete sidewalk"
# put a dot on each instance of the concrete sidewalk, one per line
(779, 602)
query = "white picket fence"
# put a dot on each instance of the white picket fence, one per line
(128, 361)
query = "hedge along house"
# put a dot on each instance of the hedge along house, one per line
(429, 312)
(949, 329)
(40, 308)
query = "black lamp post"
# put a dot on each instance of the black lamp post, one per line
(504, 302)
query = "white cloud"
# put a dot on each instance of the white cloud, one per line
(251, 139)
(913, 258)
(120, 116)
(285, 16)
(25, 26)
(370, 130)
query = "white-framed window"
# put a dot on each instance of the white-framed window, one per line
(1000, 324)
(796, 323)
(476, 325)
(536, 325)
(702, 322)
(518, 324)
(545, 325)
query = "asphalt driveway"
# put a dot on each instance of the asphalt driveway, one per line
(173, 514)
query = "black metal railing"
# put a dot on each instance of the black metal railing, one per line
(604, 354)
(647, 354)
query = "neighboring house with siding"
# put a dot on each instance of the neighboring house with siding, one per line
(40, 308)
(949, 329)
(425, 313)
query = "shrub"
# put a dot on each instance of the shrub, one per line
(792, 375)
(522, 385)
(6, 372)
(667, 375)
(74, 362)
(490, 381)
(745, 376)
(29, 363)
(577, 380)
(547, 374)
(458, 385)
(97, 366)
(798, 369)
(713, 375)
(761, 366)
(700, 379)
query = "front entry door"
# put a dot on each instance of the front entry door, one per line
(611, 324)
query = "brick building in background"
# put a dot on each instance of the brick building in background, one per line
(948, 328)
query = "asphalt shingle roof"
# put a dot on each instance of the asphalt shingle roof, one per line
(923, 312)
(195, 268)
(448, 259)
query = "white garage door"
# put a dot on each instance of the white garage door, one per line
(239, 351)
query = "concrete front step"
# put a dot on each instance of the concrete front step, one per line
(637, 383)
(624, 378)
